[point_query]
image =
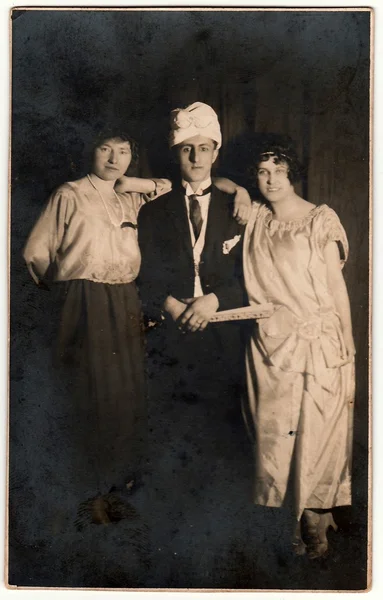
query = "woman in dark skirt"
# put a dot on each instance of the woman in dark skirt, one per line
(85, 241)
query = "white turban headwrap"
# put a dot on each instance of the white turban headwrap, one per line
(196, 119)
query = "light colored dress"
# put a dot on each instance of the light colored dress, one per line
(300, 391)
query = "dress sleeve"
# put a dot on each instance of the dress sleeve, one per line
(331, 230)
(47, 234)
(132, 202)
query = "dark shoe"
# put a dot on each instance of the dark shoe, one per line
(99, 511)
(92, 511)
(118, 509)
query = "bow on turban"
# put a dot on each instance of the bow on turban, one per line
(196, 119)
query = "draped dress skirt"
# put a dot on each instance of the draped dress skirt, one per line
(300, 390)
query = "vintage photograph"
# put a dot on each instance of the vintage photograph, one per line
(190, 225)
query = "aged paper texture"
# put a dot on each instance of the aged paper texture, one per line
(188, 519)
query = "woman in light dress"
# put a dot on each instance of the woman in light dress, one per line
(300, 361)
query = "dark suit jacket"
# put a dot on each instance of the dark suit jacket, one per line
(167, 256)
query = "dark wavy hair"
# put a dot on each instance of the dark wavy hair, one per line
(109, 133)
(282, 149)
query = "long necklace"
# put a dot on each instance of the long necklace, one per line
(113, 222)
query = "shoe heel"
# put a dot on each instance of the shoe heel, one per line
(333, 524)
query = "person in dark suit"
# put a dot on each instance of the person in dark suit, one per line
(191, 268)
(191, 257)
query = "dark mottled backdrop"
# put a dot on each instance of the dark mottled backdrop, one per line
(302, 73)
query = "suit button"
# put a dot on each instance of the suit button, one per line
(207, 285)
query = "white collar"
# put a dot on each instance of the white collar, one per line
(202, 186)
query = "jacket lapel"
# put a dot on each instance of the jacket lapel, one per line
(217, 217)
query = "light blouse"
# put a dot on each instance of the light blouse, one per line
(79, 236)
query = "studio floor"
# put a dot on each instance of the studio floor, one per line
(185, 529)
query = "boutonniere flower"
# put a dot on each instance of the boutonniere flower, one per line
(229, 244)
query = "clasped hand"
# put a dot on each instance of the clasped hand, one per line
(192, 314)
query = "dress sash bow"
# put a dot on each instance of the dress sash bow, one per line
(308, 346)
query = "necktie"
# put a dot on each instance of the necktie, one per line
(195, 212)
(195, 215)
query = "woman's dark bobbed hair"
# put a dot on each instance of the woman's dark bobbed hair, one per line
(111, 132)
(279, 147)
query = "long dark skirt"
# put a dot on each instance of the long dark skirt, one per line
(101, 351)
